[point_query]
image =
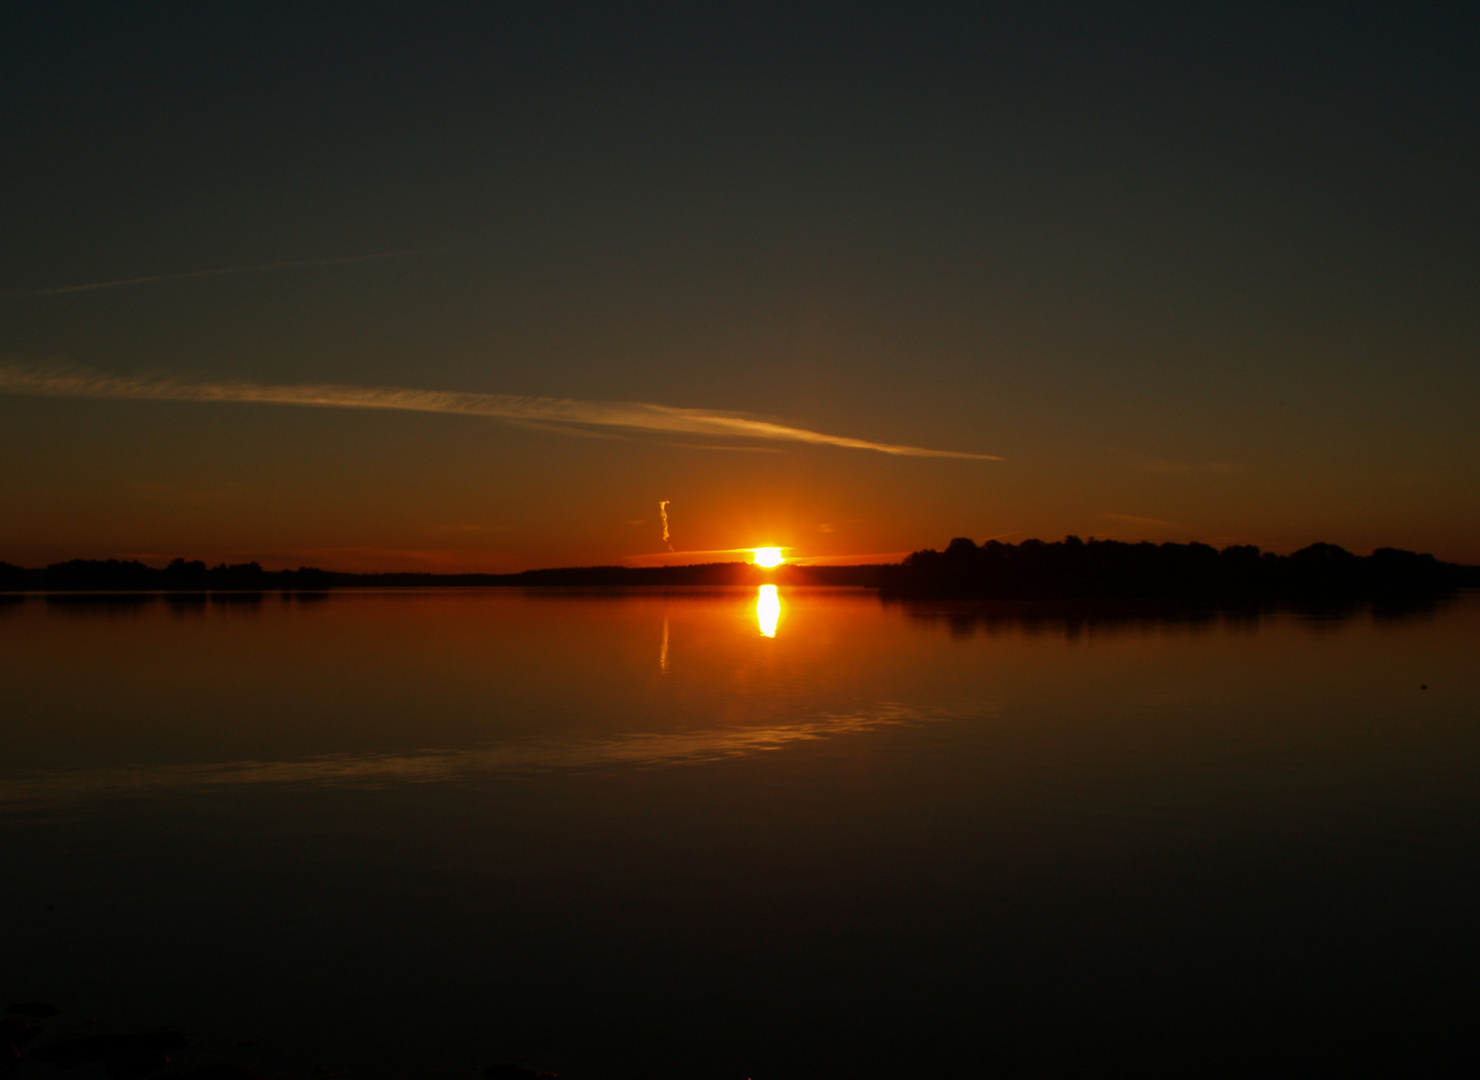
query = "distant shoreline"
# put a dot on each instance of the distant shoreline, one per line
(1099, 570)
(1066, 570)
(119, 576)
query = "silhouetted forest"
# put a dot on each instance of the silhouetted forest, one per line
(113, 575)
(1072, 569)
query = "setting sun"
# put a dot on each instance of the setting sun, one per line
(769, 557)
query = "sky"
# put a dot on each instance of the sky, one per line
(478, 286)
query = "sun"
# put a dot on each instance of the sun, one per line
(768, 557)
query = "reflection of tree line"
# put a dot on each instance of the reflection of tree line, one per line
(1074, 620)
(1072, 569)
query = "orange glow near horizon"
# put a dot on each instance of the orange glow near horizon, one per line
(768, 557)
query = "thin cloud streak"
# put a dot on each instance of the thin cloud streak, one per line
(878, 558)
(1191, 468)
(673, 558)
(256, 268)
(734, 449)
(632, 415)
(714, 555)
(1169, 467)
(1131, 519)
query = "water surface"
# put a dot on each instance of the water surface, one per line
(732, 834)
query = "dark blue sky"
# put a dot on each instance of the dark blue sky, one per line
(1191, 271)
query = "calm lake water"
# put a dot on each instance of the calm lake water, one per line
(729, 835)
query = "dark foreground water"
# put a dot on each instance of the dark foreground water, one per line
(728, 835)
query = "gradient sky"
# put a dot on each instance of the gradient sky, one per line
(1190, 271)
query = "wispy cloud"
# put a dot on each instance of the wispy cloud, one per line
(727, 555)
(51, 381)
(1191, 468)
(732, 449)
(709, 555)
(1167, 467)
(256, 268)
(685, 558)
(468, 528)
(447, 551)
(561, 429)
(877, 558)
(1131, 519)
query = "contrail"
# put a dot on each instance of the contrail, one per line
(49, 381)
(663, 509)
(256, 268)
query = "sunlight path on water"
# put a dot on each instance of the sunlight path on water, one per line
(767, 610)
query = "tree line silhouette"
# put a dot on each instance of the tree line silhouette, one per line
(1073, 569)
(1069, 569)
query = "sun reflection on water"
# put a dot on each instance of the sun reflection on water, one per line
(768, 610)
